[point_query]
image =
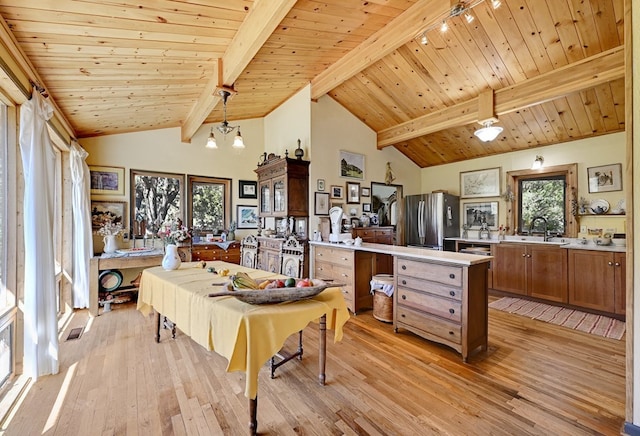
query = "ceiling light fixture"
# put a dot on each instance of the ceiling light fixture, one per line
(211, 140)
(537, 164)
(224, 126)
(461, 8)
(489, 132)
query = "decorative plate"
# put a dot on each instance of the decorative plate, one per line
(110, 280)
(599, 207)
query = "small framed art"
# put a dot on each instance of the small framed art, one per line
(477, 214)
(248, 189)
(366, 207)
(247, 217)
(605, 178)
(108, 211)
(336, 191)
(365, 192)
(321, 206)
(321, 185)
(480, 183)
(353, 193)
(107, 180)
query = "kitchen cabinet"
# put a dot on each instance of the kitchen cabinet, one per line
(535, 270)
(352, 268)
(283, 188)
(444, 303)
(597, 280)
(210, 252)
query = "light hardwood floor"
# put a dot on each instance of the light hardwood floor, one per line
(536, 378)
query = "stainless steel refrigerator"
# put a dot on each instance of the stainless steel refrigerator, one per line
(430, 218)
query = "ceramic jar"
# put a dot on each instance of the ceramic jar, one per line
(110, 244)
(171, 259)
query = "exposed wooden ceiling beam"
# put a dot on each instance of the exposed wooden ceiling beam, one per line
(595, 70)
(254, 31)
(398, 32)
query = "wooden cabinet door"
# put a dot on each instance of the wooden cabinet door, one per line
(591, 280)
(620, 268)
(547, 273)
(265, 197)
(509, 268)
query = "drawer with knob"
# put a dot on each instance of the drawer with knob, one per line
(447, 274)
(430, 287)
(443, 307)
(449, 331)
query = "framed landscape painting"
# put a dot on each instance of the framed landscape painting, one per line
(480, 183)
(247, 217)
(351, 165)
(108, 211)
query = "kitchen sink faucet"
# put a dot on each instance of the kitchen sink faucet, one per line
(533, 223)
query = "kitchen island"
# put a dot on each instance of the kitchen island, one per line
(439, 295)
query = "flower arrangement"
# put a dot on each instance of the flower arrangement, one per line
(180, 234)
(110, 228)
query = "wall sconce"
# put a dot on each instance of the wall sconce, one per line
(537, 164)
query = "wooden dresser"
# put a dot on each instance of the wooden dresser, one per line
(376, 235)
(444, 303)
(210, 251)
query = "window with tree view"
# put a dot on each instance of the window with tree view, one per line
(157, 201)
(209, 204)
(543, 197)
(546, 194)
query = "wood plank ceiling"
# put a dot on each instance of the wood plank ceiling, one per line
(115, 67)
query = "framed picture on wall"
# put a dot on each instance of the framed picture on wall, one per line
(106, 180)
(353, 193)
(351, 165)
(605, 178)
(336, 191)
(475, 214)
(248, 189)
(247, 217)
(480, 183)
(321, 204)
(103, 212)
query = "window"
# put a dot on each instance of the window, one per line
(209, 201)
(156, 200)
(546, 193)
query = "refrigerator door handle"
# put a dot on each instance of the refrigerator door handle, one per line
(421, 229)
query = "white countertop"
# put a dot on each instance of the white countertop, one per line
(568, 243)
(411, 252)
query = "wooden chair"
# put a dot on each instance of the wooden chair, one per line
(249, 251)
(292, 258)
(291, 265)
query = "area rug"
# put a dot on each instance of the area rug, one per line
(574, 319)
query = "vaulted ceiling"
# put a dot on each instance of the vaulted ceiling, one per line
(555, 68)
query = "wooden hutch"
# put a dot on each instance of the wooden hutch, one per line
(283, 206)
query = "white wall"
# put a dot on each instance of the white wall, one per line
(288, 123)
(333, 128)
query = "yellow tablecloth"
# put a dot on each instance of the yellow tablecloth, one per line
(247, 335)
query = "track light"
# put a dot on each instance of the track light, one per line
(444, 27)
(424, 40)
(459, 9)
(469, 17)
(496, 4)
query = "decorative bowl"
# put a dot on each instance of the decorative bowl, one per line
(276, 295)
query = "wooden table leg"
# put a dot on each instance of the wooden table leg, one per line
(158, 326)
(323, 349)
(253, 416)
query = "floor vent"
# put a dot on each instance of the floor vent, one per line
(75, 333)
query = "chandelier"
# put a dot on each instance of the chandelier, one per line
(224, 126)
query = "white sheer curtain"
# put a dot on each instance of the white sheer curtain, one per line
(40, 314)
(82, 240)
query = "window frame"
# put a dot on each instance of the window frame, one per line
(569, 171)
(191, 179)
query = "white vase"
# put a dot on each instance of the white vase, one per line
(110, 244)
(171, 259)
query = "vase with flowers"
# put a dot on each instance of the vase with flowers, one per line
(231, 234)
(109, 231)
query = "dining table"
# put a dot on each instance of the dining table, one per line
(247, 335)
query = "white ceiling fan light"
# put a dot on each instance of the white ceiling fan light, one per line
(489, 132)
